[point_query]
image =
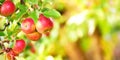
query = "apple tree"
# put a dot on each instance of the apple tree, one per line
(22, 23)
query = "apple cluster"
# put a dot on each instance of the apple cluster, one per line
(34, 31)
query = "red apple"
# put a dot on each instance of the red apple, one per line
(28, 25)
(7, 8)
(19, 46)
(11, 55)
(44, 24)
(34, 36)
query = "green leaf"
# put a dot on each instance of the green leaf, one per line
(11, 45)
(9, 33)
(2, 22)
(19, 15)
(51, 13)
(12, 26)
(1, 1)
(21, 35)
(2, 34)
(22, 7)
(47, 1)
(32, 1)
(34, 15)
(22, 11)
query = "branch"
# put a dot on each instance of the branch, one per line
(22, 2)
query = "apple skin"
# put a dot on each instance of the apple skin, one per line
(11, 55)
(7, 8)
(19, 46)
(44, 24)
(34, 36)
(11, 52)
(28, 25)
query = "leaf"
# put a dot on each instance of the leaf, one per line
(1, 1)
(34, 15)
(9, 34)
(21, 35)
(47, 1)
(32, 1)
(2, 22)
(12, 26)
(11, 44)
(19, 15)
(2, 34)
(22, 7)
(22, 11)
(51, 13)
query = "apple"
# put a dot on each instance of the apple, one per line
(7, 8)
(19, 46)
(11, 55)
(44, 24)
(34, 36)
(28, 25)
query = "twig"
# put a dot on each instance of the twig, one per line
(1, 53)
(22, 2)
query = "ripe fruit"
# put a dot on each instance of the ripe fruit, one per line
(44, 24)
(28, 25)
(19, 46)
(11, 55)
(34, 36)
(7, 8)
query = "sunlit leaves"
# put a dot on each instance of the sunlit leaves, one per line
(34, 15)
(2, 34)
(1, 1)
(32, 1)
(78, 18)
(51, 13)
(2, 22)
(47, 1)
(21, 34)
(22, 10)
